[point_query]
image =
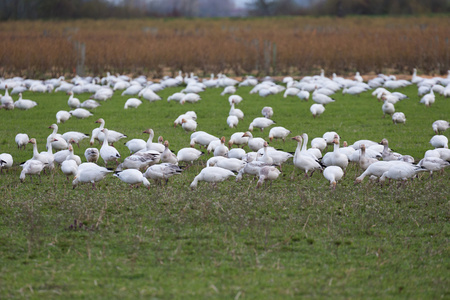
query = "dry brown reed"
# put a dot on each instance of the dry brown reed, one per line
(293, 45)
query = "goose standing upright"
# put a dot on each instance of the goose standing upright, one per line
(73, 102)
(59, 143)
(108, 153)
(303, 161)
(69, 166)
(167, 156)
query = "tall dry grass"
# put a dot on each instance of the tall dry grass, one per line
(294, 45)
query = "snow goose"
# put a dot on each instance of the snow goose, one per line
(7, 101)
(31, 167)
(167, 156)
(444, 153)
(236, 99)
(232, 164)
(69, 166)
(238, 139)
(190, 98)
(108, 153)
(21, 140)
(267, 112)
(162, 172)
(59, 143)
(232, 121)
(303, 95)
(132, 102)
(254, 143)
(188, 125)
(149, 95)
(319, 143)
(24, 104)
(367, 143)
(150, 145)
(228, 90)
(261, 123)
(388, 109)
(6, 161)
(401, 172)
(276, 157)
(92, 155)
(329, 137)
(221, 150)
(140, 160)
(90, 172)
(236, 112)
(304, 162)
(378, 168)
(316, 109)
(212, 175)
(345, 149)
(398, 117)
(432, 164)
(333, 174)
(251, 168)
(176, 97)
(132, 176)
(428, 99)
(267, 173)
(80, 113)
(90, 104)
(440, 126)
(364, 161)
(292, 91)
(236, 153)
(97, 133)
(439, 141)
(265, 157)
(335, 158)
(62, 116)
(387, 154)
(41, 156)
(134, 145)
(188, 115)
(321, 98)
(73, 102)
(202, 138)
(278, 132)
(74, 137)
(188, 155)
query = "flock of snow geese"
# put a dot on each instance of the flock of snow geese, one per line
(155, 161)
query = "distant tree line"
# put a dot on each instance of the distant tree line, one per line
(73, 9)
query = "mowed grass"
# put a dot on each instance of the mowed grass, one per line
(294, 238)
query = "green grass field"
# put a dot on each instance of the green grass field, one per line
(295, 238)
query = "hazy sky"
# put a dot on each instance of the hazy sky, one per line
(240, 3)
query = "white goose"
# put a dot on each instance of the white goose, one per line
(167, 156)
(302, 161)
(212, 175)
(319, 143)
(428, 99)
(232, 164)
(69, 166)
(266, 158)
(90, 172)
(261, 123)
(62, 116)
(278, 132)
(108, 153)
(236, 153)
(24, 104)
(236, 99)
(188, 155)
(401, 172)
(378, 168)
(439, 141)
(232, 121)
(80, 113)
(90, 104)
(251, 168)
(335, 158)
(317, 109)
(74, 137)
(97, 133)
(133, 103)
(6, 161)
(73, 102)
(238, 139)
(92, 155)
(440, 126)
(432, 164)
(364, 161)
(132, 176)
(398, 117)
(59, 143)
(202, 138)
(254, 143)
(236, 112)
(221, 150)
(388, 109)
(36, 155)
(267, 173)
(321, 98)
(188, 125)
(333, 174)
(22, 140)
(162, 172)
(267, 112)
(31, 167)
(387, 154)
